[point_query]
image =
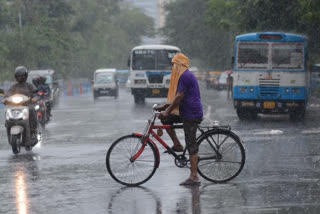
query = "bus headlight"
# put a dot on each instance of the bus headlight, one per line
(287, 90)
(242, 89)
(141, 82)
(251, 89)
(295, 90)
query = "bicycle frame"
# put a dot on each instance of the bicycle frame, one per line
(149, 130)
(146, 138)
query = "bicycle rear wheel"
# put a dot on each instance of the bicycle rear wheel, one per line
(126, 172)
(221, 155)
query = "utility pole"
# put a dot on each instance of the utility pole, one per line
(20, 19)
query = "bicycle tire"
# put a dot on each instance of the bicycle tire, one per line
(128, 173)
(220, 168)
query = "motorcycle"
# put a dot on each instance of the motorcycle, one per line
(17, 123)
(41, 108)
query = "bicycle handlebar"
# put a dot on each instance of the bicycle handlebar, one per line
(154, 111)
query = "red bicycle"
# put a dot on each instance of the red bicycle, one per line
(133, 159)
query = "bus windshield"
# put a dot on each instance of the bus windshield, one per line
(252, 55)
(287, 55)
(270, 55)
(152, 59)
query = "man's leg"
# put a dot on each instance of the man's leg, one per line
(171, 132)
(194, 166)
(174, 138)
(190, 130)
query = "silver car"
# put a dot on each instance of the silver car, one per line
(105, 83)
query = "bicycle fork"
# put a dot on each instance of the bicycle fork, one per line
(143, 144)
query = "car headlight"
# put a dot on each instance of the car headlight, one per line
(168, 82)
(37, 107)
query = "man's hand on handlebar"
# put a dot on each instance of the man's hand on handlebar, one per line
(163, 115)
(161, 107)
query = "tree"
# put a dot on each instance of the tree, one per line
(187, 27)
(74, 37)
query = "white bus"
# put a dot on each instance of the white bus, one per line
(150, 69)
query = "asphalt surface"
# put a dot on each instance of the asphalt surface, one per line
(66, 173)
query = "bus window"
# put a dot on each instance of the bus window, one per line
(252, 55)
(287, 56)
(144, 60)
(164, 59)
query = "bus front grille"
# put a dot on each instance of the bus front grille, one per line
(155, 78)
(269, 88)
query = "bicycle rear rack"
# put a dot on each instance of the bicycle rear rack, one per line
(215, 125)
(211, 126)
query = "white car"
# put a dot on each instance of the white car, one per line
(222, 81)
(105, 83)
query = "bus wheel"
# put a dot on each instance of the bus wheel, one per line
(297, 114)
(139, 99)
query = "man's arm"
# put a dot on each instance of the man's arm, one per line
(162, 107)
(175, 103)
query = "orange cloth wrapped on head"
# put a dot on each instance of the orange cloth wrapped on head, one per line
(180, 63)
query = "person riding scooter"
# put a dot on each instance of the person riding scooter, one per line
(27, 89)
(44, 87)
(35, 81)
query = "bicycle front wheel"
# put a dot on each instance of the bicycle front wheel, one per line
(221, 155)
(125, 171)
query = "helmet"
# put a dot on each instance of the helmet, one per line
(36, 81)
(42, 79)
(21, 74)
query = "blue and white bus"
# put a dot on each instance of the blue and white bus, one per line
(270, 74)
(150, 69)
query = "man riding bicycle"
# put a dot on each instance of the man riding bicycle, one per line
(183, 105)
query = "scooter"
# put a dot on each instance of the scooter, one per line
(17, 123)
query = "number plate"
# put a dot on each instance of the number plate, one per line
(155, 91)
(104, 92)
(269, 105)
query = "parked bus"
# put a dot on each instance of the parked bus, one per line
(270, 74)
(150, 69)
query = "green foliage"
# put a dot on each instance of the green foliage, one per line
(187, 27)
(74, 37)
(205, 29)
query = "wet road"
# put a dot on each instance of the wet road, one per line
(67, 174)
